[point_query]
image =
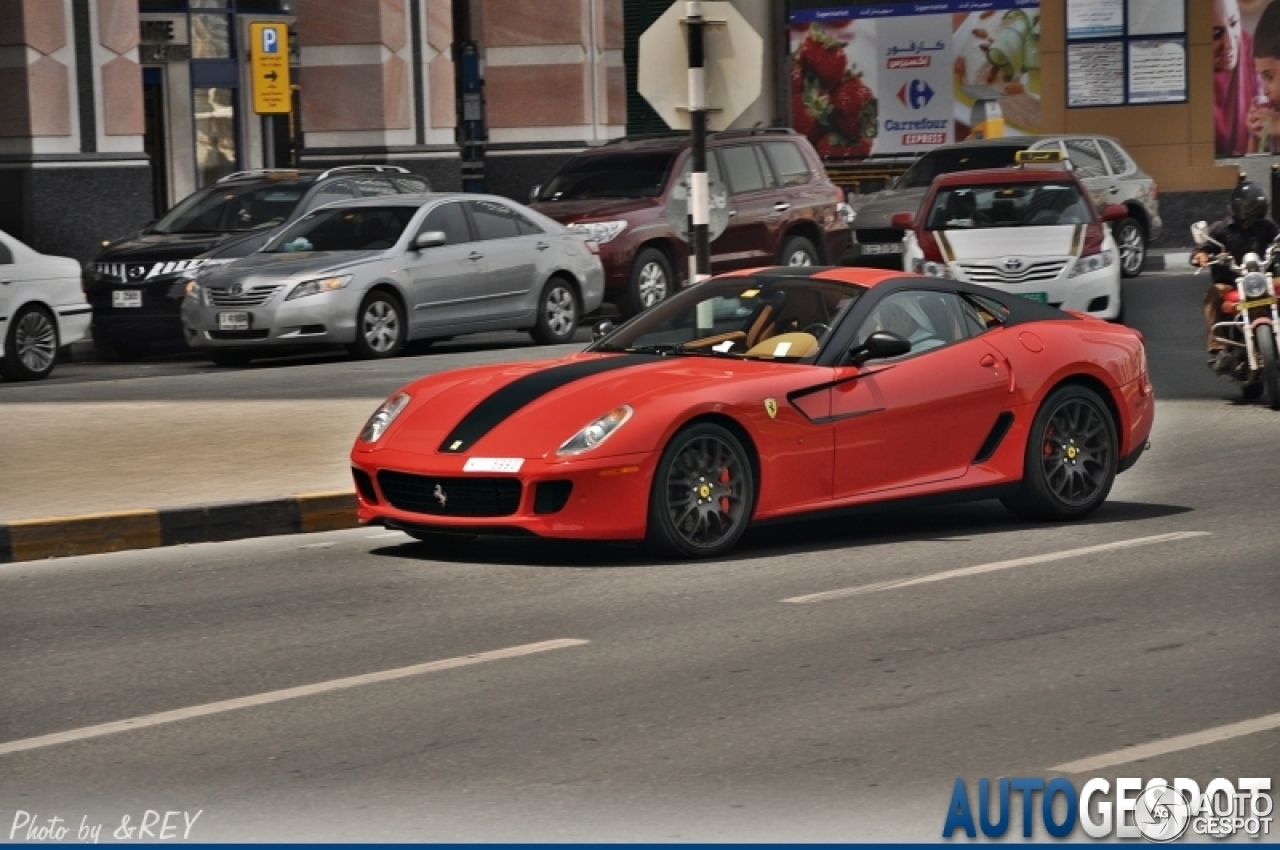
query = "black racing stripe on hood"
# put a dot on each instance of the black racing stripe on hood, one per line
(488, 414)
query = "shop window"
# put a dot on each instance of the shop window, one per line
(215, 114)
(210, 36)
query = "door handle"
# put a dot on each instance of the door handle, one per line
(782, 206)
(542, 246)
(987, 360)
(1115, 190)
(475, 255)
(733, 213)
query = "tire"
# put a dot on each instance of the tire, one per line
(652, 282)
(558, 313)
(380, 327)
(1265, 336)
(1131, 240)
(115, 350)
(31, 345)
(703, 494)
(1071, 460)
(798, 251)
(230, 358)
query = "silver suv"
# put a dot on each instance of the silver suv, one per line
(1107, 171)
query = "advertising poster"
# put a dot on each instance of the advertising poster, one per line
(1246, 77)
(900, 79)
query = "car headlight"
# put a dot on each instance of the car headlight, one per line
(848, 213)
(597, 432)
(382, 418)
(600, 231)
(1092, 263)
(932, 269)
(1255, 285)
(193, 290)
(314, 287)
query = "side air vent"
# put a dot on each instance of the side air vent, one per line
(993, 440)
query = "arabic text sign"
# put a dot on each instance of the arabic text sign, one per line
(269, 61)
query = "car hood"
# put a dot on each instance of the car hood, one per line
(146, 246)
(529, 410)
(596, 209)
(990, 243)
(876, 210)
(289, 266)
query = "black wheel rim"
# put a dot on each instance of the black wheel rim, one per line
(1076, 453)
(706, 492)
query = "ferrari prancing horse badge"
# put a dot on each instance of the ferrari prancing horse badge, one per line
(771, 408)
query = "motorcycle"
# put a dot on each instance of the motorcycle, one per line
(1249, 333)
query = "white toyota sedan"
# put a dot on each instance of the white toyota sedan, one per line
(41, 309)
(1028, 231)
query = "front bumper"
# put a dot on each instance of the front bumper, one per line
(608, 498)
(1096, 293)
(325, 318)
(155, 319)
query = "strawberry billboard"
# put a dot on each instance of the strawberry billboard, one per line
(895, 78)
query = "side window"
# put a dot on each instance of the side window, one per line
(789, 163)
(988, 312)
(926, 319)
(743, 169)
(6, 256)
(412, 185)
(1115, 157)
(337, 191)
(1085, 158)
(525, 226)
(451, 219)
(493, 220)
(770, 181)
(372, 187)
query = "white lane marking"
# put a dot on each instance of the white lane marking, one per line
(1171, 745)
(993, 567)
(280, 696)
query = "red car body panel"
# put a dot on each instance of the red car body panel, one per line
(821, 437)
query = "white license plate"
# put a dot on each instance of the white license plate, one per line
(233, 321)
(891, 248)
(126, 298)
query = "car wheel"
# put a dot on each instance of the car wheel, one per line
(1266, 339)
(380, 330)
(31, 346)
(558, 313)
(1131, 239)
(115, 350)
(652, 281)
(1071, 459)
(798, 251)
(1251, 392)
(230, 358)
(703, 494)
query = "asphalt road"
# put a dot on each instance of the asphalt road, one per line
(690, 701)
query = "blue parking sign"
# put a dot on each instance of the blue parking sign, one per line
(270, 40)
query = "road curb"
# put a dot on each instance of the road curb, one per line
(92, 534)
(1167, 261)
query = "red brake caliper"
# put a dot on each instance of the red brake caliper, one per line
(1048, 443)
(724, 479)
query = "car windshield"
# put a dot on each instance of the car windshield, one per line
(950, 160)
(344, 228)
(1009, 205)
(740, 317)
(610, 175)
(232, 208)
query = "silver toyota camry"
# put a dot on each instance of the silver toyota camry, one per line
(374, 273)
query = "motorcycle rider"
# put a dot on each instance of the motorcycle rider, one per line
(1249, 230)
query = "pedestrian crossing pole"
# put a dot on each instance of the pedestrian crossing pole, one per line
(699, 196)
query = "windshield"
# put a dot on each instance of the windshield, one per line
(740, 318)
(950, 160)
(616, 175)
(1011, 205)
(344, 228)
(230, 209)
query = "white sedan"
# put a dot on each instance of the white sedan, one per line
(41, 309)
(1032, 232)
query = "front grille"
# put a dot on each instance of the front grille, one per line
(148, 270)
(365, 485)
(253, 296)
(439, 496)
(877, 235)
(978, 273)
(549, 497)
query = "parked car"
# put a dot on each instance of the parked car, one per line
(1029, 231)
(135, 284)
(781, 208)
(375, 273)
(41, 309)
(1109, 174)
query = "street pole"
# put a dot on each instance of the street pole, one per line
(699, 196)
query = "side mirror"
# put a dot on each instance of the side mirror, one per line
(879, 346)
(1115, 212)
(533, 193)
(1200, 232)
(429, 239)
(601, 329)
(903, 221)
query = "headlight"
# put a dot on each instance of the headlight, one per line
(313, 287)
(847, 212)
(931, 268)
(1255, 285)
(597, 432)
(193, 290)
(600, 231)
(1092, 263)
(383, 417)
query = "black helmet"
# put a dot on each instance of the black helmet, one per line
(1248, 203)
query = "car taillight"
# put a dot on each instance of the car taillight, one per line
(593, 246)
(929, 245)
(1155, 191)
(1093, 236)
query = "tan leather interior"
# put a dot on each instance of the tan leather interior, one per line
(795, 344)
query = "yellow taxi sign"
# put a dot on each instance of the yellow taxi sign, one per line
(1038, 157)
(269, 67)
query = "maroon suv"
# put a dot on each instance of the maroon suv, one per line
(781, 208)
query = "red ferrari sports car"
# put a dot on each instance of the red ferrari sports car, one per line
(767, 394)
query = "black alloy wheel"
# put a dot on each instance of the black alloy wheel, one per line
(31, 346)
(1071, 460)
(1265, 337)
(798, 251)
(380, 327)
(652, 281)
(703, 494)
(1131, 240)
(558, 313)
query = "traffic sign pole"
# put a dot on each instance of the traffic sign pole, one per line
(699, 194)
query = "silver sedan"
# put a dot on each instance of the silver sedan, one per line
(374, 273)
